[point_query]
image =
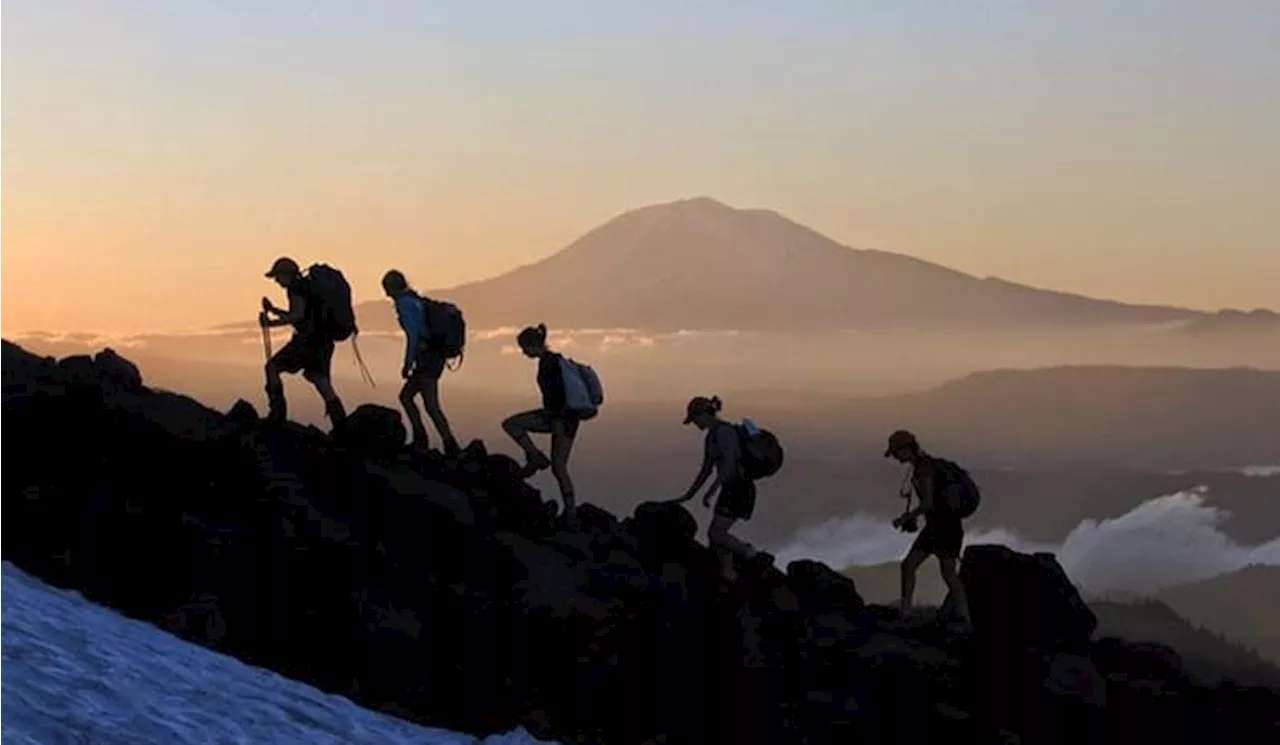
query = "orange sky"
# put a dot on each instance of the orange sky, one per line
(157, 156)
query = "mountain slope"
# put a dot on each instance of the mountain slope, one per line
(697, 263)
(1243, 605)
(445, 591)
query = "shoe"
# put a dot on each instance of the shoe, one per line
(537, 462)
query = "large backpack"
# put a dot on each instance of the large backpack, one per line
(958, 491)
(335, 318)
(762, 454)
(446, 328)
(583, 392)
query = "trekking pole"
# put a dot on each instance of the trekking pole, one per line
(364, 371)
(266, 332)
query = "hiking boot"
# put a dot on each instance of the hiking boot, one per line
(337, 418)
(536, 462)
(451, 448)
(277, 407)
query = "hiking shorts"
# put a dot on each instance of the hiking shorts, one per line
(737, 499)
(540, 420)
(310, 355)
(941, 537)
(428, 364)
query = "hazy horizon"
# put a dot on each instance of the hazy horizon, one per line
(159, 156)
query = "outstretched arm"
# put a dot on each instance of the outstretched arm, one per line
(703, 474)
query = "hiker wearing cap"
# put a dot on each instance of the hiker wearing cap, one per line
(310, 351)
(943, 530)
(423, 364)
(733, 490)
(571, 394)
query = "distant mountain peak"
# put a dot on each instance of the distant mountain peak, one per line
(698, 262)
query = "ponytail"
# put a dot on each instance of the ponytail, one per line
(533, 336)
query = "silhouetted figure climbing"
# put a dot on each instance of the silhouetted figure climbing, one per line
(571, 394)
(316, 325)
(947, 495)
(424, 361)
(734, 490)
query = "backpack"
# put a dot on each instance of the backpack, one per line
(761, 452)
(583, 392)
(957, 488)
(446, 328)
(328, 289)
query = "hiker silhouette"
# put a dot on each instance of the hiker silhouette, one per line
(733, 488)
(946, 496)
(571, 394)
(317, 326)
(425, 356)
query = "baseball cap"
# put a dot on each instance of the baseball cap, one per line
(699, 405)
(901, 439)
(283, 265)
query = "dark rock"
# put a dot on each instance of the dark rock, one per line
(118, 371)
(242, 414)
(78, 370)
(663, 529)
(1025, 600)
(375, 430)
(821, 589)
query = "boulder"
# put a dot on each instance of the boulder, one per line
(242, 414)
(78, 370)
(1024, 601)
(375, 430)
(663, 529)
(116, 370)
(821, 589)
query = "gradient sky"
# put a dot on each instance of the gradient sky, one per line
(158, 155)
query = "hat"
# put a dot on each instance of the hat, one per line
(700, 405)
(901, 439)
(284, 265)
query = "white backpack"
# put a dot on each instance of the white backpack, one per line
(582, 390)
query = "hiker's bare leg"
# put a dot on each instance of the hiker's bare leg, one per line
(518, 427)
(561, 446)
(956, 595)
(718, 534)
(332, 404)
(726, 544)
(430, 388)
(412, 388)
(910, 565)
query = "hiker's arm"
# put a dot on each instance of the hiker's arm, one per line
(703, 474)
(925, 492)
(297, 310)
(711, 492)
(406, 311)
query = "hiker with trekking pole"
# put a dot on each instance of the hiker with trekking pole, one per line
(321, 315)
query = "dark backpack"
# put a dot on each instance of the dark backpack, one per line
(761, 453)
(446, 327)
(955, 489)
(334, 317)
